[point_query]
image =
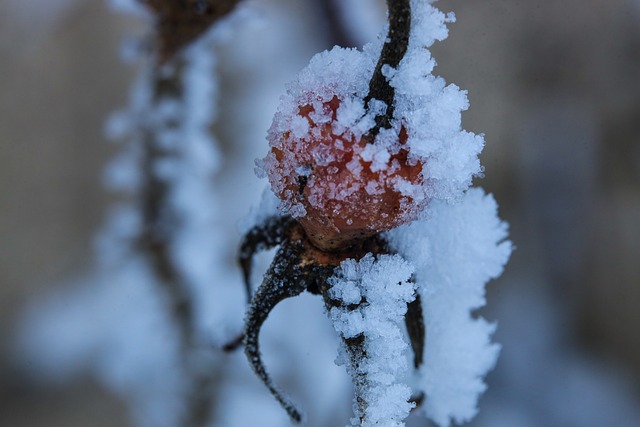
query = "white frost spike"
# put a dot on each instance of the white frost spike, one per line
(455, 252)
(381, 288)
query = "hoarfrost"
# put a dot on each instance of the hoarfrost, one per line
(381, 289)
(456, 251)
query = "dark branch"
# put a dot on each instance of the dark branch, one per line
(392, 53)
(157, 239)
(180, 22)
(284, 279)
(262, 237)
(160, 221)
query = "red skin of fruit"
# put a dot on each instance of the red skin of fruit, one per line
(341, 208)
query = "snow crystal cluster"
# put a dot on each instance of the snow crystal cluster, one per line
(455, 252)
(373, 296)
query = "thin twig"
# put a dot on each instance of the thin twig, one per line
(391, 54)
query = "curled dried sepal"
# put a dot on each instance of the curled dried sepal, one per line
(299, 265)
(180, 22)
(414, 321)
(276, 287)
(269, 234)
(290, 274)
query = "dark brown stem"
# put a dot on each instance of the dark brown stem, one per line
(391, 54)
(180, 22)
(157, 239)
(159, 219)
(356, 349)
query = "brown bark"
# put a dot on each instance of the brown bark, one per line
(180, 22)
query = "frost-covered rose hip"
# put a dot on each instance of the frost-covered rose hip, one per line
(361, 142)
(340, 185)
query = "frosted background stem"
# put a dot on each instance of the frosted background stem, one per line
(163, 222)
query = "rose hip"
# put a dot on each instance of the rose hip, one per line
(342, 187)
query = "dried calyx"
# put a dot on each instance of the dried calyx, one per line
(299, 266)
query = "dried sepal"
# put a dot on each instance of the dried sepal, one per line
(414, 320)
(299, 265)
(267, 235)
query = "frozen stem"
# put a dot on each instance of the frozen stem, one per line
(367, 299)
(356, 349)
(179, 23)
(156, 240)
(393, 50)
(160, 221)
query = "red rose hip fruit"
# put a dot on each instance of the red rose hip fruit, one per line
(331, 176)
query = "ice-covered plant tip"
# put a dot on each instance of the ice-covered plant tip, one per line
(372, 169)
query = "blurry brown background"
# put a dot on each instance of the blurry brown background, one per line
(554, 86)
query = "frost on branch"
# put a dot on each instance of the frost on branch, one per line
(368, 303)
